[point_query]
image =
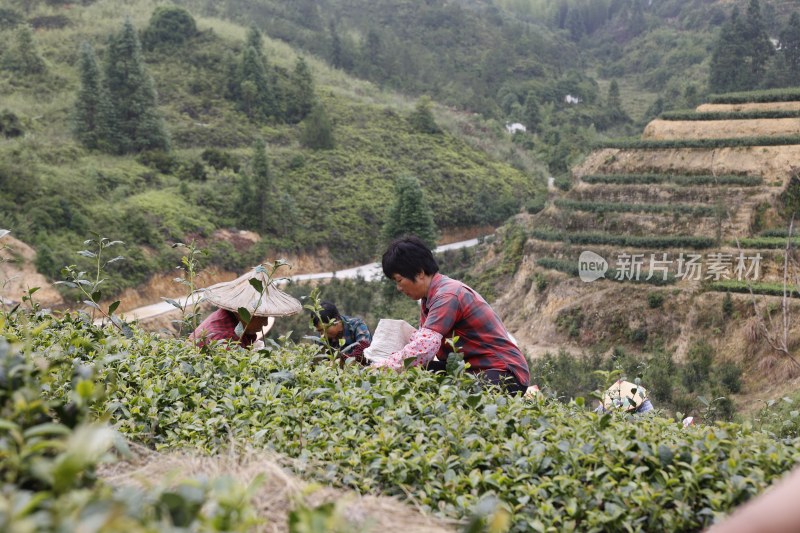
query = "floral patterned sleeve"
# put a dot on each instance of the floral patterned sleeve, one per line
(423, 346)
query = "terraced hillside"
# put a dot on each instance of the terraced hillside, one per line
(698, 206)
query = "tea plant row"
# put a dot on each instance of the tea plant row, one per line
(440, 440)
(629, 207)
(677, 179)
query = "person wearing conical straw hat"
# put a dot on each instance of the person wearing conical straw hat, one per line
(246, 306)
(626, 396)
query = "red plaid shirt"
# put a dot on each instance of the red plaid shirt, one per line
(220, 326)
(452, 308)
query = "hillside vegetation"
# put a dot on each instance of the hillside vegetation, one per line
(55, 192)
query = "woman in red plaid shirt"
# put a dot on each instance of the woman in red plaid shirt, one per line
(450, 308)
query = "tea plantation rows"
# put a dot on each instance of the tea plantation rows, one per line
(438, 440)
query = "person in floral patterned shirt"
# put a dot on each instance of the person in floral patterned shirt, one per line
(450, 308)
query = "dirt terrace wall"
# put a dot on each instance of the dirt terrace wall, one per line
(773, 163)
(720, 129)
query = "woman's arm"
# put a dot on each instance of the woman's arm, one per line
(775, 511)
(423, 346)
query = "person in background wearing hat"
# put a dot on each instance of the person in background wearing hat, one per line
(224, 325)
(347, 335)
(627, 396)
(451, 308)
(253, 291)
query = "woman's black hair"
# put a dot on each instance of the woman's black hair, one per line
(408, 256)
(327, 314)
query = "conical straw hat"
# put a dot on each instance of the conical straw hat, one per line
(616, 393)
(232, 295)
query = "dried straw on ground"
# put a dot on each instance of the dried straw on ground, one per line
(278, 495)
(232, 295)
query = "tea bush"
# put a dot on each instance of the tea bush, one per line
(570, 266)
(629, 144)
(770, 289)
(770, 95)
(630, 207)
(50, 447)
(677, 179)
(631, 241)
(438, 439)
(733, 115)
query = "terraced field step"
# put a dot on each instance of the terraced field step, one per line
(762, 242)
(747, 97)
(766, 288)
(729, 142)
(729, 115)
(629, 241)
(702, 116)
(628, 207)
(570, 266)
(659, 193)
(676, 179)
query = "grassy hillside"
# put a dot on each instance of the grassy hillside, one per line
(54, 192)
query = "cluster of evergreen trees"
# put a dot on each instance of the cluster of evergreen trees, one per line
(116, 108)
(744, 57)
(264, 92)
(116, 111)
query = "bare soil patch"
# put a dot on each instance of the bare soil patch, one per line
(18, 274)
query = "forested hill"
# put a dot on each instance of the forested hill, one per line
(622, 61)
(154, 124)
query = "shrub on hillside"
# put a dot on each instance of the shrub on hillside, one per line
(169, 27)
(10, 124)
(164, 162)
(220, 159)
(9, 18)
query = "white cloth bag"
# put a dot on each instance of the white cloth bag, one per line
(390, 336)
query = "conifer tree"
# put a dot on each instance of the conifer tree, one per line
(247, 209)
(302, 92)
(262, 188)
(758, 45)
(137, 121)
(637, 23)
(336, 53)
(91, 107)
(253, 85)
(24, 58)
(614, 105)
(531, 114)
(317, 131)
(257, 87)
(409, 213)
(790, 50)
(727, 72)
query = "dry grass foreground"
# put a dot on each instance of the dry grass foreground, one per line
(277, 495)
